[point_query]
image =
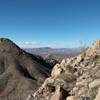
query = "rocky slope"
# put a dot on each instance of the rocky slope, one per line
(76, 78)
(20, 73)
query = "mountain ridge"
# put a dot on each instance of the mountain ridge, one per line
(20, 72)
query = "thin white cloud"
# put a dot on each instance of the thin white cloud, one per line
(33, 44)
(3, 33)
(28, 44)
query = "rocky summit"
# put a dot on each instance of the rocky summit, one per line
(75, 78)
(21, 73)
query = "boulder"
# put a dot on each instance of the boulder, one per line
(72, 98)
(95, 83)
(60, 94)
(57, 70)
(98, 95)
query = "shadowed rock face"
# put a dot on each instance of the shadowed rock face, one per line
(20, 73)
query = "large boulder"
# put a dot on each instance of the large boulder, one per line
(98, 95)
(60, 94)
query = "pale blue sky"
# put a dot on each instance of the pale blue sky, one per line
(55, 23)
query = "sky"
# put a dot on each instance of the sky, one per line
(53, 23)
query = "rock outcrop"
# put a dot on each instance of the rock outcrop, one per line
(78, 76)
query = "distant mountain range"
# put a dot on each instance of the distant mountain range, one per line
(58, 52)
(46, 50)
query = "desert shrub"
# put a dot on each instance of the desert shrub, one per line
(50, 88)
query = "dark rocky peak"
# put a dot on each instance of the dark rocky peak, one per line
(21, 73)
(6, 45)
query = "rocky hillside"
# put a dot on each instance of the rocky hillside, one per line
(76, 78)
(20, 73)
